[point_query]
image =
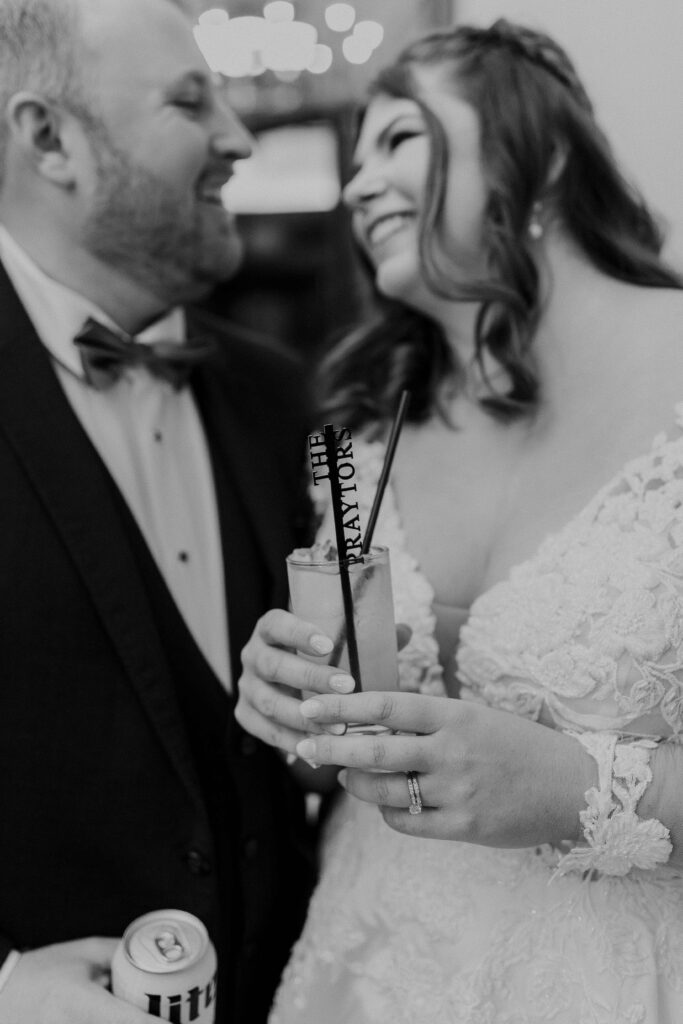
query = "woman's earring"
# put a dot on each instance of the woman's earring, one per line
(535, 228)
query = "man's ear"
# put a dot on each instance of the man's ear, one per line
(37, 128)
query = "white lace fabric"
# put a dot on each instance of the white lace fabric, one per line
(590, 628)
(617, 840)
(588, 636)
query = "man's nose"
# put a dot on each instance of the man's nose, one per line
(230, 137)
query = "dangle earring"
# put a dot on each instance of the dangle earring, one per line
(535, 226)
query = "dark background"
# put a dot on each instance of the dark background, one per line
(300, 280)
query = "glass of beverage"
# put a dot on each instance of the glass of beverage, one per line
(315, 590)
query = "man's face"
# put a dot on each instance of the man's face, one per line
(162, 143)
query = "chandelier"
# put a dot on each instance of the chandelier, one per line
(247, 46)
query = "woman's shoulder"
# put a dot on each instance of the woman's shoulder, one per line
(652, 337)
(655, 315)
(668, 320)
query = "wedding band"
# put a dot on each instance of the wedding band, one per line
(415, 794)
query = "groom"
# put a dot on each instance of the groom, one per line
(147, 506)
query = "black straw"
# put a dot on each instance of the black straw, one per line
(386, 469)
(374, 512)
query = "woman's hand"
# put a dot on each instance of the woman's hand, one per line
(274, 678)
(485, 776)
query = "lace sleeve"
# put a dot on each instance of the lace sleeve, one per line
(616, 838)
(626, 564)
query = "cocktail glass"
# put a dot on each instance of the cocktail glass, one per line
(316, 595)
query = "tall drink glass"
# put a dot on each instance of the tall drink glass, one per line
(316, 596)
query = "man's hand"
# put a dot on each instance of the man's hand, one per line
(66, 984)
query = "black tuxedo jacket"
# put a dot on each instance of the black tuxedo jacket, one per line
(104, 812)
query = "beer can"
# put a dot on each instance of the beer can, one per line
(166, 965)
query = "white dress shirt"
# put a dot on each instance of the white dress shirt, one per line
(151, 439)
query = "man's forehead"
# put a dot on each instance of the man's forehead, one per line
(125, 9)
(139, 37)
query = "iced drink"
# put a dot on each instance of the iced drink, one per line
(316, 596)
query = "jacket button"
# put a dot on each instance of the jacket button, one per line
(251, 849)
(248, 746)
(197, 863)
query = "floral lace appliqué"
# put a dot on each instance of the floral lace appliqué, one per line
(590, 629)
(617, 840)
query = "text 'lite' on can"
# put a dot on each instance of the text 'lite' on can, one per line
(166, 965)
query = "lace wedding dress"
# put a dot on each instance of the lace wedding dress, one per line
(417, 931)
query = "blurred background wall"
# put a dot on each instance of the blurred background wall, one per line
(299, 279)
(630, 55)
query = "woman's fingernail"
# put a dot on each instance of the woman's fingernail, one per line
(321, 644)
(342, 684)
(311, 708)
(338, 729)
(306, 749)
(341, 778)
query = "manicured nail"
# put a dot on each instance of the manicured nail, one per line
(342, 684)
(311, 708)
(306, 749)
(338, 729)
(291, 759)
(321, 644)
(341, 777)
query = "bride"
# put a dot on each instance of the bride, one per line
(537, 496)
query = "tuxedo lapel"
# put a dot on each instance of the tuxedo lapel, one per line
(75, 490)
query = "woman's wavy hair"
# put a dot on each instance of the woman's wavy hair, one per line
(540, 144)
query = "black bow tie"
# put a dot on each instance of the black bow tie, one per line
(105, 354)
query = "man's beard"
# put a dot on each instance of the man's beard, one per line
(153, 234)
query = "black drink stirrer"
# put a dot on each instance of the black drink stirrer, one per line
(331, 450)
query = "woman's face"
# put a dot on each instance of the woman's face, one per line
(387, 193)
